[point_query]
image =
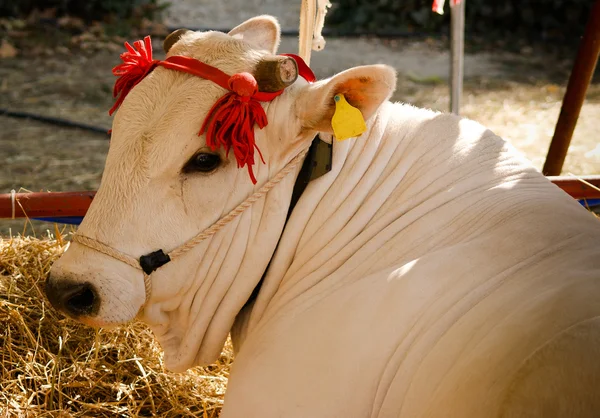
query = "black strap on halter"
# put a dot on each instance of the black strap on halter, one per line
(153, 261)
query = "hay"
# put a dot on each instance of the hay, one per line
(53, 366)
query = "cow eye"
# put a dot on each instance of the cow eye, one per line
(203, 162)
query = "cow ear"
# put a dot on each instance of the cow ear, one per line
(262, 32)
(365, 88)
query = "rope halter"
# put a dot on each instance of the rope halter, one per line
(150, 262)
(229, 123)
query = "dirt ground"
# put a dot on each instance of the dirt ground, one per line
(516, 95)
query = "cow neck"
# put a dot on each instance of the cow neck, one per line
(318, 162)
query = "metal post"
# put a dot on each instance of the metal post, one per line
(457, 51)
(579, 81)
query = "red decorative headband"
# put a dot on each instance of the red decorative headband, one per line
(230, 122)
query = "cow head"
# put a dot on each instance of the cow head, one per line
(162, 185)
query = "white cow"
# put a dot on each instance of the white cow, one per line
(432, 273)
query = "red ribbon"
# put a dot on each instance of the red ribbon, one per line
(230, 122)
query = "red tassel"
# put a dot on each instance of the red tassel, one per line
(230, 122)
(137, 63)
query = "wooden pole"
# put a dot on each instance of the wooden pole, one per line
(307, 26)
(457, 52)
(579, 81)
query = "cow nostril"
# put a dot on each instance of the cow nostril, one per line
(75, 299)
(80, 300)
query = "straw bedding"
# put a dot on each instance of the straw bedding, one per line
(53, 367)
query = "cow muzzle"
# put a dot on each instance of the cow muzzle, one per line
(73, 299)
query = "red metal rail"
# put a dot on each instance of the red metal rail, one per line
(576, 188)
(54, 204)
(45, 204)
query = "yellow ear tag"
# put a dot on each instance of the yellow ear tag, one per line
(347, 121)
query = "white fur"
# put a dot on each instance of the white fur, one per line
(432, 273)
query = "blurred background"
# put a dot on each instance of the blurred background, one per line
(56, 58)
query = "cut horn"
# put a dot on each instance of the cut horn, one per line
(172, 38)
(275, 72)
